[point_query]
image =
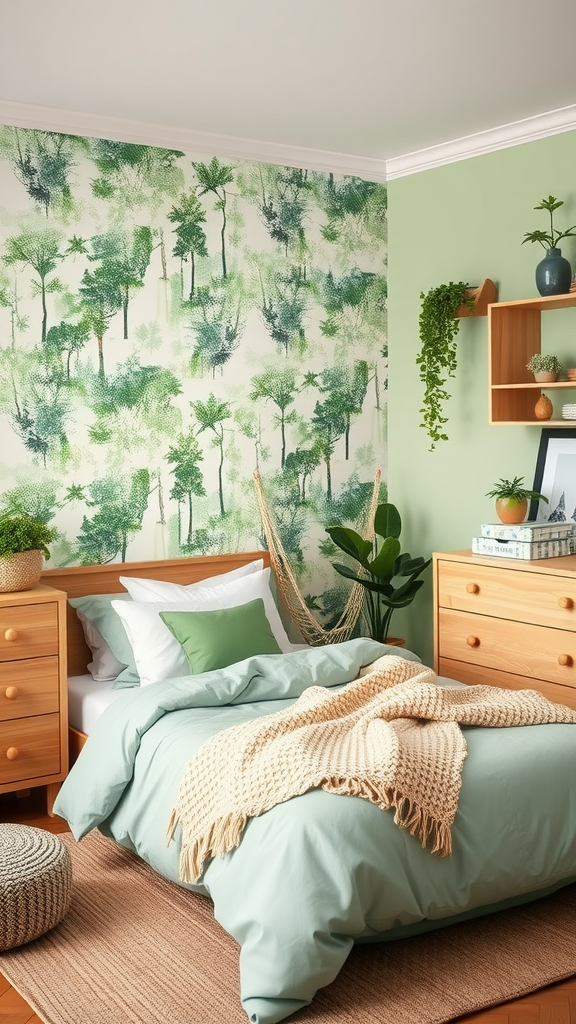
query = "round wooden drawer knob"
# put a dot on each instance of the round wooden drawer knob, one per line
(473, 641)
(11, 692)
(565, 602)
(12, 753)
(472, 588)
(565, 659)
(11, 634)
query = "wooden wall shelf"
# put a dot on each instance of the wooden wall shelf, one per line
(483, 296)
(514, 335)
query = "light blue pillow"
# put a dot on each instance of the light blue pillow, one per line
(97, 608)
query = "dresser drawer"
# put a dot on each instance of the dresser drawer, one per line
(540, 598)
(29, 748)
(28, 631)
(477, 675)
(29, 687)
(537, 652)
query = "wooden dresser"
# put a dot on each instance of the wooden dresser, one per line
(33, 691)
(507, 622)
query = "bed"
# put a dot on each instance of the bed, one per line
(80, 581)
(317, 872)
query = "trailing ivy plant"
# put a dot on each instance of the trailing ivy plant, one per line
(439, 326)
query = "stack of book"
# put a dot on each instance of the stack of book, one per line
(526, 540)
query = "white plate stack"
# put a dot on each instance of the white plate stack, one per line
(569, 412)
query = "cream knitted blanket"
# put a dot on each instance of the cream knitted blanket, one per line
(392, 737)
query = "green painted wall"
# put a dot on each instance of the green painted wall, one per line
(464, 222)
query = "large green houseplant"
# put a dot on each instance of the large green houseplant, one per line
(389, 577)
(23, 546)
(438, 327)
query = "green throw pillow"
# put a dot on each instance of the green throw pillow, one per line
(219, 638)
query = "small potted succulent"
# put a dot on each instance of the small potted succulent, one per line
(23, 546)
(512, 499)
(544, 367)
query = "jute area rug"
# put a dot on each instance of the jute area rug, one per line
(135, 949)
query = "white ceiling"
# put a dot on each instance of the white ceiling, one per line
(375, 79)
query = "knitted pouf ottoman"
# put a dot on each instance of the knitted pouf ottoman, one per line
(35, 883)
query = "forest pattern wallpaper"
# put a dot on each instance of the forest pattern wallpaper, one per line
(170, 322)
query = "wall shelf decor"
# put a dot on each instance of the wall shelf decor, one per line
(514, 335)
(483, 296)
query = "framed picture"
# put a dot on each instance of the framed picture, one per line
(555, 477)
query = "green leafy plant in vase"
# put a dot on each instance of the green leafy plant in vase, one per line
(553, 273)
(23, 546)
(389, 577)
(512, 499)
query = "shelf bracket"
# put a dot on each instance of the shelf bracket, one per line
(482, 296)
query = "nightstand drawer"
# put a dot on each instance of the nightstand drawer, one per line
(29, 687)
(28, 631)
(537, 652)
(540, 598)
(29, 748)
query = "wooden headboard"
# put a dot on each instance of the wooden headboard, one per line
(82, 580)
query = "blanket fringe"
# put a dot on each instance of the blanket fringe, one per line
(418, 822)
(408, 815)
(222, 836)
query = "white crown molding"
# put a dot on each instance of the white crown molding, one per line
(24, 115)
(514, 134)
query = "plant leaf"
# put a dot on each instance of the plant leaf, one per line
(351, 542)
(383, 565)
(387, 521)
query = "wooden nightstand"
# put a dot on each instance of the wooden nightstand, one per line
(33, 691)
(507, 622)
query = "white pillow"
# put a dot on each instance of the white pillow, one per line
(160, 590)
(157, 653)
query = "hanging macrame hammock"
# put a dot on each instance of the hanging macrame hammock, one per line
(311, 630)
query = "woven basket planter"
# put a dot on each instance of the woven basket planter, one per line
(21, 571)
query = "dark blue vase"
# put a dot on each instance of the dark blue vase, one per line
(553, 274)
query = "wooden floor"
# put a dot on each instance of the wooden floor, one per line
(553, 1005)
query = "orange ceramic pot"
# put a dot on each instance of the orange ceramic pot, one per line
(511, 510)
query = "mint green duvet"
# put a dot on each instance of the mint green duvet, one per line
(321, 871)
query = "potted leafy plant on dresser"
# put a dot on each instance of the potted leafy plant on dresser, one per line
(389, 577)
(23, 546)
(512, 499)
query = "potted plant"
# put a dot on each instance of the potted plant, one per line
(544, 367)
(23, 545)
(380, 565)
(438, 327)
(553, 273)
(512, 499)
